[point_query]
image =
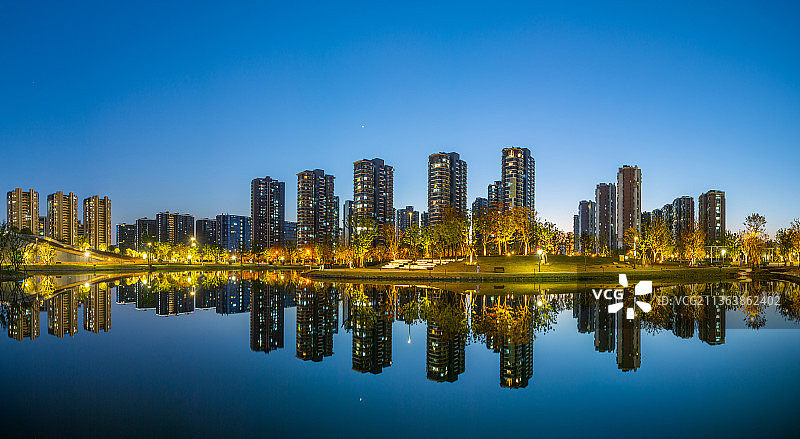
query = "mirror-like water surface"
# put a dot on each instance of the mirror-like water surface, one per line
(229, 353)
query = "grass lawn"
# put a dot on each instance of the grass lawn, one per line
(555, 263)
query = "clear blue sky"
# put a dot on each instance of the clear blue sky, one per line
(178, 106)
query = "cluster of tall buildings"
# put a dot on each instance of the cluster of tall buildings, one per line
(318, 208)
(516, 187)
(232, 232)
(61, 219)
(616, 208)
(680, 216)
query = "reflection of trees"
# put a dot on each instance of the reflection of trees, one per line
(446, 335)
(371, 313)
(515, 318)
(752, 307)
(789, 304)
(317, 320)
(19, 312)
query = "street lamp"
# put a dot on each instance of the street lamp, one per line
(539, 252)
(723, 256)
(635, 240)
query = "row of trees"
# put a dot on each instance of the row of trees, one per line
(655, 243)
(492, 231)
(16, 250)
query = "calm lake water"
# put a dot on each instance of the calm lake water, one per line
(272, 354)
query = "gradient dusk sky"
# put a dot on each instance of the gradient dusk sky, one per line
(178, 105)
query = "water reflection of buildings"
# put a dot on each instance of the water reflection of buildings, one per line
(234, 297)
(446, 348)
(174, 302)
(206, 298)
(481, 305)
(605, 327)
(317, 321)
(516, 355)
(266, 317)
(127, 293)
(614, 332)
(629, 343)
(62, 314)
(372, 330)
(712, 325)
(682, 321)
(97, 309)
(23, 321)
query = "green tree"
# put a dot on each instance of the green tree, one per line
(162, 251)
(391, 240)
(45, 253)
(82, 242)
(656, 239)
(693, 241)
(482, 226)
(412, 239)
(504, 231)
(754, 237)
(363, 238)
(525, 225)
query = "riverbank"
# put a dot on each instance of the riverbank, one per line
(605, 276)
(137, 268)
(10, 276)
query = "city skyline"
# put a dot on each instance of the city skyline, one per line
(687, 107)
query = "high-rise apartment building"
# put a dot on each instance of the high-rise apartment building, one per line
(629, 201)
(289, 233)
(97, 221)
(373, 191)
(711, 215)
(317, 208)
(605, 198)
(205, 231)
(234, 232)
(23, 210)
(664, 214)
(126, 236)
(495, 193)
(447, 185)
(62, 217)
(174, 228)
(479, 206)
(518, 170)
(406, 218)
(348, 227)
(586, 225)
(146, 232)
(682, 217)
(267, 212)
